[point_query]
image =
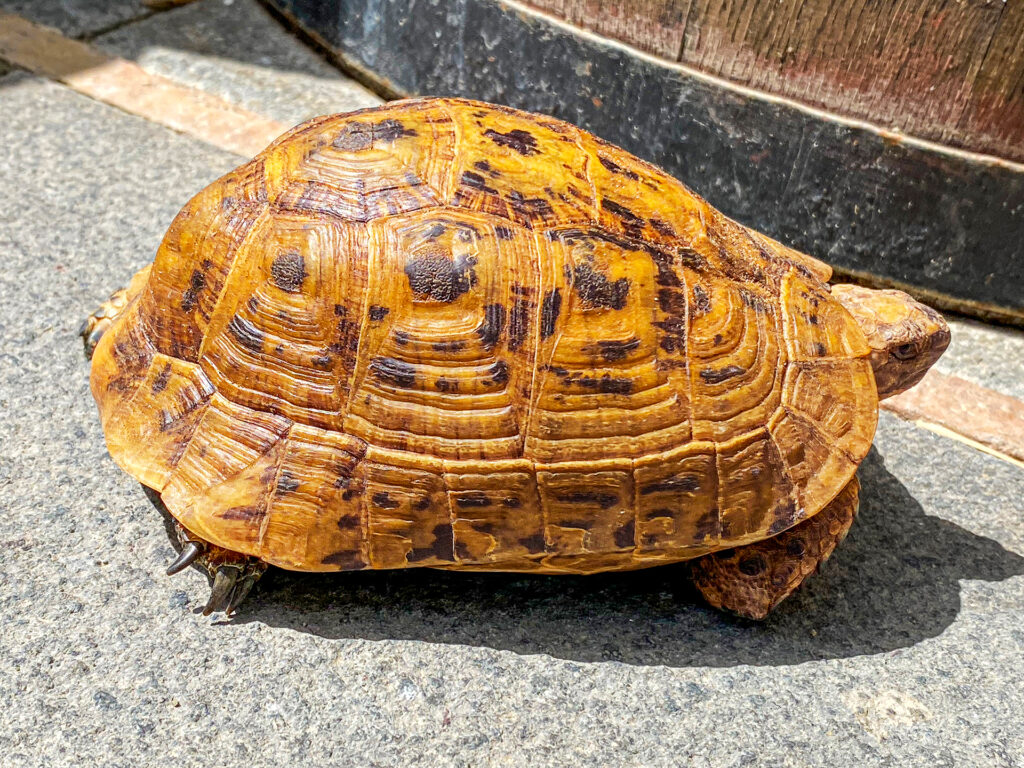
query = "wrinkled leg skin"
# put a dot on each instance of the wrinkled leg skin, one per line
(751, 580)
(96, 324)
(233, 574)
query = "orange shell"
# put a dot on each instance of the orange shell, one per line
(445, 333)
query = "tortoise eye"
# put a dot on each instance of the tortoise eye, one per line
(904, 352)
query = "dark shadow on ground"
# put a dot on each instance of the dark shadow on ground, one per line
(891, 584)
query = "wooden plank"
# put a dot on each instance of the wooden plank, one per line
(125, 85)
(654, 26)
(944, 70)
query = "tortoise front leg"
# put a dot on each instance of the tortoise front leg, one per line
(233, 573)
(751, 580)
(98, 322)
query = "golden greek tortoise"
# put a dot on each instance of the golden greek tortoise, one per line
(450, 334)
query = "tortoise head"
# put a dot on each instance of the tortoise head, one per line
(906, 336)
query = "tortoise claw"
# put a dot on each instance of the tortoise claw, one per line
(241, 591)
(188, 554)
(223, 585)
(231, 585)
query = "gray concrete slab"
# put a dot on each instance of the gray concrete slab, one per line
(904, 651)
(77, 18)
(990, 355)
(238, 52)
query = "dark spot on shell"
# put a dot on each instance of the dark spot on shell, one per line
(347, 560)
(443, 547)
(401, 338)
(625, 537)
(662, 228)
(348, 522)
(707, 525)
(530, 208)
(473, 499)
(701, 300)
(246, 334)
(462, 551)
(391, 129)
(449, 346)
(446, 385)
(614, 167)
(812, 319)
(661, 512)
(340, 310)
(752, 565)
(321, 361)
(597, 291)
(288, 271)
(395, 372)
(438, 276)
(550, 307)
(518, 323)
(161, 380)
(613, 351)
(383, 500)
(499, 373)
(820, 349)
(603, 500)
(377, 312)
(717, 340)
(196, 283)
(677, 484)
(354, 137)
(242, 513)
(286, 482)
(512, 502)
(422, 503)
(533, 544)
(711, 376)
(503, 232)
(633, 224)
(494, 322)
(521, 141)
(477, 182)
(482, 165)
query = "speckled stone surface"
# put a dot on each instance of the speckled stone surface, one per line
(905, 651)
(238, 52)
(990, 355)
(77, 18)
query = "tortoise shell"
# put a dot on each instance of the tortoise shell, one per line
(445, 333)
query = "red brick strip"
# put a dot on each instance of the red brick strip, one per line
(988, 419)
(127, 86)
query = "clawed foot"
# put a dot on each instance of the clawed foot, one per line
(98, 322)
(233, 574)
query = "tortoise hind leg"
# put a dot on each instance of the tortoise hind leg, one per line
(751, 580)
(96, 324)
(233, 574)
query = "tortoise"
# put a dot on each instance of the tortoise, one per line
(444, 333)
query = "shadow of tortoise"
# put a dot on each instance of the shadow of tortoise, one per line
(892, 583)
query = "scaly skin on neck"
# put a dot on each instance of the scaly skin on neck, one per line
(906, 336)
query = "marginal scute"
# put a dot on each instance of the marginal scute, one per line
(587, 511)
(441, 333)
(149, 431)
(317, 509)
(221, 485)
